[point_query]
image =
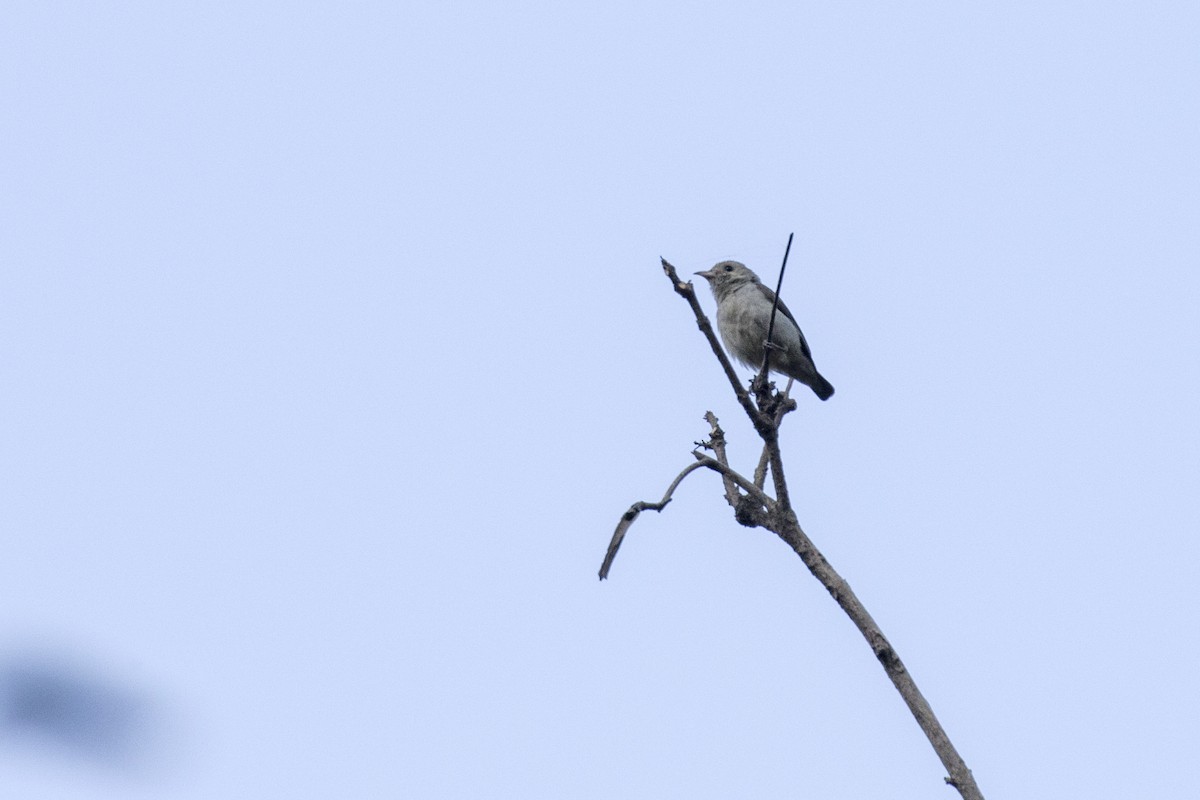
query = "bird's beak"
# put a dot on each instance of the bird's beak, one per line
(707, 274)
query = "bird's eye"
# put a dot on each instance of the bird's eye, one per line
(729, 267)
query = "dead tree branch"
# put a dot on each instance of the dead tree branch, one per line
(755, 508)
(635, 510)
(716, 443)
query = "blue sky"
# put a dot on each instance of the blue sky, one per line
(335, 343)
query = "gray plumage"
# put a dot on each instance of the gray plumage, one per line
(743, 314)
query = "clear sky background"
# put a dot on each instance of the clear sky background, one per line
(334, 343)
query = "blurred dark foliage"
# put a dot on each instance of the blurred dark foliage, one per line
(71, 709)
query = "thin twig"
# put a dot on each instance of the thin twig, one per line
(636, 509)
(776, 460)
(745, 483)
(716, 441)
(760, 472)
(762, 376)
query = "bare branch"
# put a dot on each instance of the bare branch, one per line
(960, 776)
(756, 508)
(736, 477)
(716, 442)
(776, 460)
(760, 472)
(636, 509)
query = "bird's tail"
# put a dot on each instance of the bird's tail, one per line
(822, 387)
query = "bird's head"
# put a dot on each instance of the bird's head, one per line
(728, 274)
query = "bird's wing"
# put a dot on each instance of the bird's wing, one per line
(783, 309)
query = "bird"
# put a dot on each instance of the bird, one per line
(743, 315)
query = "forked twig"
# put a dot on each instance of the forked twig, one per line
(745, 483)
